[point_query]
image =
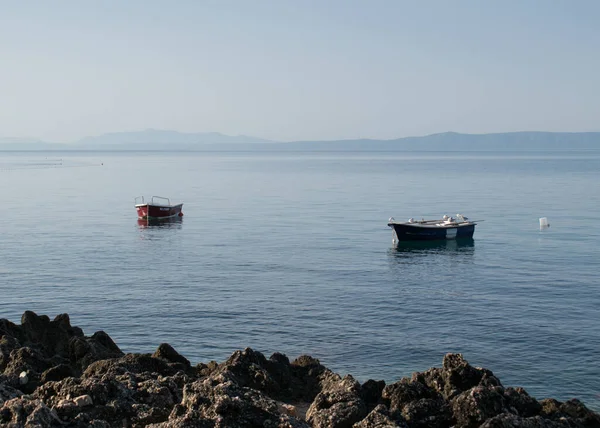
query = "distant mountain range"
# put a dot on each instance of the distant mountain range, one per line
(453, 141)
(25, 144)
(149, 139)
(162, 138)
(153, 139)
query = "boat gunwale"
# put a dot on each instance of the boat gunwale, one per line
(155, 205)
(433, 224)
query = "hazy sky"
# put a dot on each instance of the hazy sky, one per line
(302, 69)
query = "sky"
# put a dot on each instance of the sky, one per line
(298, 70)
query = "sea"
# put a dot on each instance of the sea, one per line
(290, 252)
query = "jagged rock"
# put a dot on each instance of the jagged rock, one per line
(7, 391)
(406, 391)
(26, 364)
(51, 336)
(138, 398)
(248, 368)
(73, 381)
(7, 345)
(85, 351)
(419, 404)
(308, 373)
(550, 408)
(27, 360)
(37, 329)
(57, 373)
(572, 410)
(106, 342)
(370, 392)
(575, 409)
(10, 329)
(520, 403)
(427, 413)
(278, 367)
(507, 420)
(219, 402)
(205, 370)
(299, 381)
(381, 417)
(456, 376)
(112, 400)
(166, 352)
(130, 363)
(41, 344)
(22, 412)
(338, 405)
(475, 406)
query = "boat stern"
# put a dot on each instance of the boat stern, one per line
(142, 211)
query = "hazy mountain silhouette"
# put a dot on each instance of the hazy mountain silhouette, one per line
(152, 139)
(453, 141)
(162, 139)
(27, 144)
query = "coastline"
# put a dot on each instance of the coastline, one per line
(52, 375)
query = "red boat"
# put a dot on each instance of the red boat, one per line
(158, 208)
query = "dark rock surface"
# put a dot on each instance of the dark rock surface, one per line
(52, 375)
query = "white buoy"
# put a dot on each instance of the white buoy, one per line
(544, 223)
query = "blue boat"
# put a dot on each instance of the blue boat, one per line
(429, 230)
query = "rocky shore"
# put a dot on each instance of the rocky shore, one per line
(52, 375)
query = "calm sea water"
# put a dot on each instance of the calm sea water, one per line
(290, 252)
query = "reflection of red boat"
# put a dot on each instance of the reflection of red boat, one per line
(158, 208)
(172, 222)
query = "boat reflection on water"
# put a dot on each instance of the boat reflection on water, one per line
(431, 269)
(170, 223)
(437, 246)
